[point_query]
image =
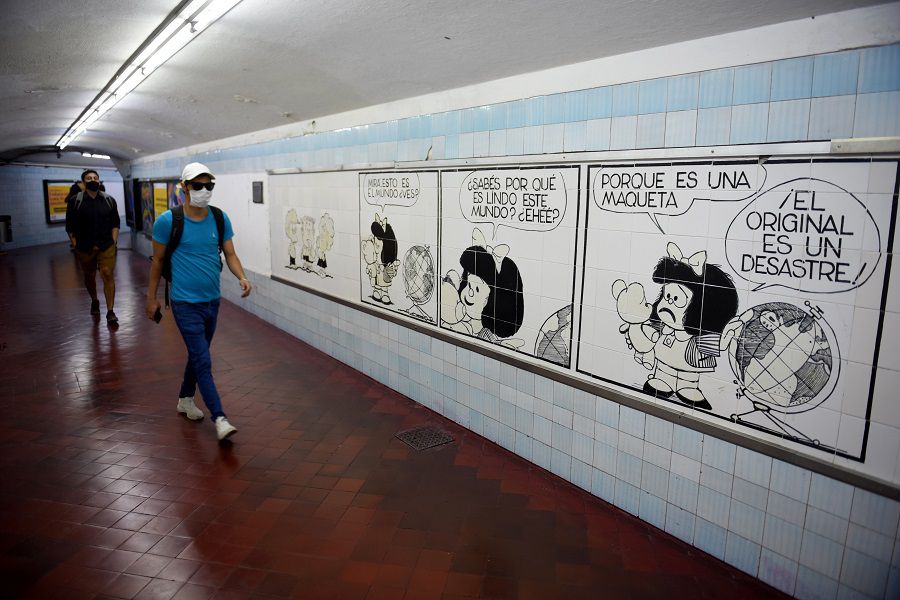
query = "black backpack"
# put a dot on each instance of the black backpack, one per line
(79, 198)
(175, 238)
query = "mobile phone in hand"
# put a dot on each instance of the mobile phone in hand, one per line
(157, 316)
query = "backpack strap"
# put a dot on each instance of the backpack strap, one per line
(79, 199)
(109, 200)
(174, 239)
(220, 225)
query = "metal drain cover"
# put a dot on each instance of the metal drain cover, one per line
(424, 437)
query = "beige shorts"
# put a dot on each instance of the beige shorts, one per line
(104, 259)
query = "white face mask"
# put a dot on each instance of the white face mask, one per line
(200, 198)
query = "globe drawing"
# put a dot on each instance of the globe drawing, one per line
(783, 359)
(418, 277)
(553, 339)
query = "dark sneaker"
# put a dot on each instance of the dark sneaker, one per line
(95, 307)
(111, 318)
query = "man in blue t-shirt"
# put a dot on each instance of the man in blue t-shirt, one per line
(195, 293)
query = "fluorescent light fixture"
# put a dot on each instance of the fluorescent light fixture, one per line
(89, 155)
(185, 23)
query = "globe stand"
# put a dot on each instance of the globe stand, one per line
(417, 311)
(766, 410)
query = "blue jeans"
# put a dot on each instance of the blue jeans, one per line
(197, 323)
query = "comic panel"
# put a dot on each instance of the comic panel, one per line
(314, 235)
(508, 238)
(398, 233)
(740, 290)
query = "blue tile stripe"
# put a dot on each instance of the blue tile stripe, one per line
(741, 104)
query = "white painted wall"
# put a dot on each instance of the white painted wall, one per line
(233, 194)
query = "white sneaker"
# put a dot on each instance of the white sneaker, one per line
(187, 407)
(224, 429)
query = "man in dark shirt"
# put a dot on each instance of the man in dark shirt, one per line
(92, 222)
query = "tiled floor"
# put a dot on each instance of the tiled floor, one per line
(105, 492)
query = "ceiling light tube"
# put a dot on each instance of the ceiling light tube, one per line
(183, 25)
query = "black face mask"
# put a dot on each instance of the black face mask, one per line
(92, 186)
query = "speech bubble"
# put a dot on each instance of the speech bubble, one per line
(672, 189)
(806, 234)
(526, 199)
(391, 189)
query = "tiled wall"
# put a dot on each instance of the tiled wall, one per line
(854, 93)
(805, 533)
(23, 199)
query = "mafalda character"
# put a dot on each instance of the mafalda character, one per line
(682, 333)
(380, 255)
(487, 301)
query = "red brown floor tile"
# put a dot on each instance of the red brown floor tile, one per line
(106, 492)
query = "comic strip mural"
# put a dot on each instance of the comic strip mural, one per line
(398, 231)
(507, 257)
(313, 232)
(735, 289)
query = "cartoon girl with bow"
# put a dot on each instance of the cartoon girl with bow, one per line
(680, 335)
(379, 252)
(487, 300)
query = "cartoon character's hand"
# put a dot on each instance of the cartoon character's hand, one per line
(734, 328)
(390, 271)
(639, 337)
(631, 303)
(368, 250)
(452, 310)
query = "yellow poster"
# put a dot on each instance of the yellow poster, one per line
(160, 199)
(56, 201)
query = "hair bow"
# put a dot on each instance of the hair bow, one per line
(381, 221)
(499, 251)
(696, 261)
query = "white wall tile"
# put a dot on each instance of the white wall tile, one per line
(873, 511)
(742, 553)
(863, 573)
(790, 480)
(749, 493)
(718, 454)
(831, 496)
(826, 524)
(753, 466)
(782, 537)
(871, 543)
(713, 506)
(777, 571)
(746, 521)
(653, 510)
(812, 585)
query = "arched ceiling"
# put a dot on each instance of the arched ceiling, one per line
(271, 62)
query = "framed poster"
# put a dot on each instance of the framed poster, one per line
(742, 290)
(315, 231)
(507, 256)
(175, 193)
(128, 188)
(398, 232)
(160, 199)
(55, 194)
(147, 217)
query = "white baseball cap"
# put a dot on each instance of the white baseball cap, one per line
(195, 169)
